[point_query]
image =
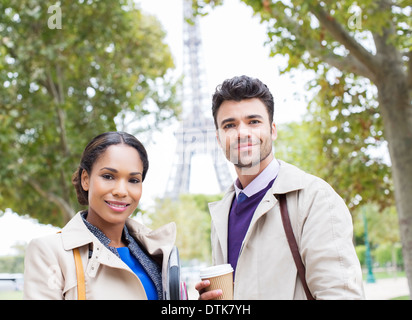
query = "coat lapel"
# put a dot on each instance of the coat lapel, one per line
(219, 212)
(287, 180)
(158, 243)
(75, 234)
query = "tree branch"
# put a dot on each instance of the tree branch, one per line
(60, 83)
(409, 70)
(340, 34)
(63, 205)
(52, 87)
(345, 64)
(57, 94)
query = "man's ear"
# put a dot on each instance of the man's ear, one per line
(85, 180)
(274, 132)
(218, 138)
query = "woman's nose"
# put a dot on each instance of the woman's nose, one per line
(120, 189)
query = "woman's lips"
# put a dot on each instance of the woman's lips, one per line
(117, 205)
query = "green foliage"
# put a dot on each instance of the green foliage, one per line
(360, 53)
(383, 234)
(334, 151)
(388, 254)
(12, 264)
(383, 255)
(343, 136)
(361, 253)
(61, 87)
(382, 225)
(191, 215)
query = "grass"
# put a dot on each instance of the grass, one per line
(385, 275)
(11, 295)
(402, 298)
(18, 295)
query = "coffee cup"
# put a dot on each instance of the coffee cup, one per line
(220, 277)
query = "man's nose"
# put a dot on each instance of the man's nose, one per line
(243, 131)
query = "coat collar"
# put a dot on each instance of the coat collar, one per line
(290, 178)
(76, 234)
(155, 242)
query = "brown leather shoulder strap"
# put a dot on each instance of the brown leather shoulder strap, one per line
(81, 285)
(293, 245)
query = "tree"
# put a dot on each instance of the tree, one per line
(192, 218)
(337, 156)
(368, 39)
(349, 133)
(383, 232)
(66, 72)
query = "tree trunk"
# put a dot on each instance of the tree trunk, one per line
(396, 110)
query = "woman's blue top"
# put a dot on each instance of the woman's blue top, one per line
(149, 269)
(137, 268)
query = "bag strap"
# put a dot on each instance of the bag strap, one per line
(81, 285)
(293, 245)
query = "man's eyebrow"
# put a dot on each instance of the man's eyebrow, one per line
(226, 121)
(251, 116)
(254, 116)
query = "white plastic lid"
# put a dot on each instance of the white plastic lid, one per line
(215, 271)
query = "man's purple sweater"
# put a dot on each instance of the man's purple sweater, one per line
(240, 216)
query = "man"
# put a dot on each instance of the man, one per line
(247, 229)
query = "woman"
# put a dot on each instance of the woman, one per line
(122, 259)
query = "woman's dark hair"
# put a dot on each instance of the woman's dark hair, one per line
(96, 148)
(240, 88)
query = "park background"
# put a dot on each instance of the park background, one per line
(62, 86)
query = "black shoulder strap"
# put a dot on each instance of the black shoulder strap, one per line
(293, 245)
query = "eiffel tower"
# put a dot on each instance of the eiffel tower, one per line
(196, 133)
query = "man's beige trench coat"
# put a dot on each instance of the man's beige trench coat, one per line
(323, 230)
(50, 269)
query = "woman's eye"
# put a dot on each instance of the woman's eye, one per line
(135, 181)
(107, 177)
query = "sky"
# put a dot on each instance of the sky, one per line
(233, 44)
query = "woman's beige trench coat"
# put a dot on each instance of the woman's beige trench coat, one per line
(323, 230)
(50, 269)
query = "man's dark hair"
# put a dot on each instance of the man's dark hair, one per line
(241, 88)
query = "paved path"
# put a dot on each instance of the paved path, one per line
(385, 289)
(382, 289)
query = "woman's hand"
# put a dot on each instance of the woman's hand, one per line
(207, 295)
